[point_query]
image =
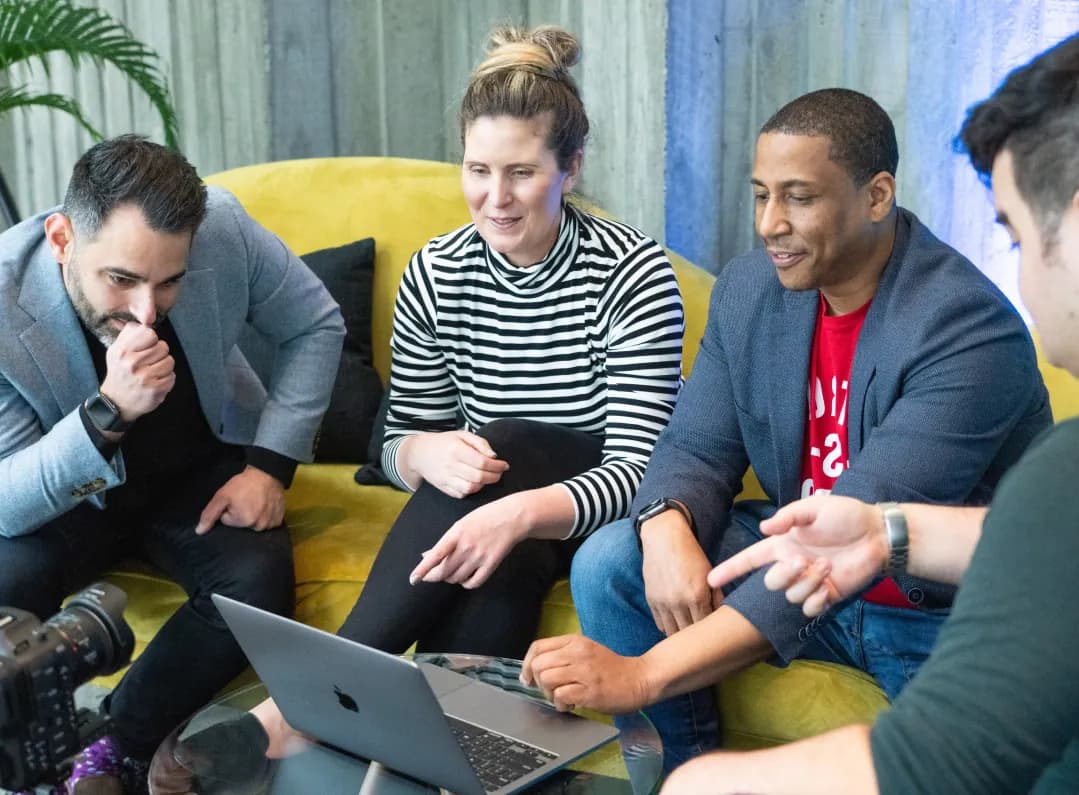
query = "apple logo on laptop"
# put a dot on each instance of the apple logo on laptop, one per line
(345, 700)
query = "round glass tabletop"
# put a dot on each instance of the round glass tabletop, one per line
(217, 753)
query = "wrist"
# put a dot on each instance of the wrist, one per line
(661, 515)
(651, 683)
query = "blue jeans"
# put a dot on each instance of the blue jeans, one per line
(608, 591)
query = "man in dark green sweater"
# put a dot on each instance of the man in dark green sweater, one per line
(996, 707)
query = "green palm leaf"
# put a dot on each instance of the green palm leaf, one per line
(21, 98)
(32, 29)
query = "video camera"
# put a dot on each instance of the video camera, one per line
(40, 667)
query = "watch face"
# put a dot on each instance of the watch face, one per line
(104, 414)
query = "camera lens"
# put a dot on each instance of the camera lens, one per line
(93, 627)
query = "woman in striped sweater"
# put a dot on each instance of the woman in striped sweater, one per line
(536, 356)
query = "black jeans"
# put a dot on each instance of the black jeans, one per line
(500, 617)
(194, 655)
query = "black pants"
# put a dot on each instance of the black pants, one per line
(500, 617)
(194, 654)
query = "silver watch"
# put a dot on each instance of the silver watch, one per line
(898, 537)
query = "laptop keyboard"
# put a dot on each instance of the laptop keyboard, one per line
(498, 760)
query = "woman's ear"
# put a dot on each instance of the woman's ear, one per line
(573, 173)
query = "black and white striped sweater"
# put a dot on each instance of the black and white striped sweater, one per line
(590, 338)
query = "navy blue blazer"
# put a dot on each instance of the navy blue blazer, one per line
(945, 395)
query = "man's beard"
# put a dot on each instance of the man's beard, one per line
(99, 324)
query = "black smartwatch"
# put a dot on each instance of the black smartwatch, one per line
(105, 415)
(655, 508)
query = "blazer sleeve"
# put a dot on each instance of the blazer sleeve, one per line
(289, 306)
(44, 475)
(700, 458)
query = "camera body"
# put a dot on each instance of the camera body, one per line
(41, 664)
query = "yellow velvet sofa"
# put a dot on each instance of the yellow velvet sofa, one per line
(337, 526)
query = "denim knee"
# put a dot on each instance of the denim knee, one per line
(606, 560)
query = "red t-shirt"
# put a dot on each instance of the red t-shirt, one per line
(825, 454)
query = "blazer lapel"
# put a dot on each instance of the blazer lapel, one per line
(55, 338)
(791, 328)
(195, 320)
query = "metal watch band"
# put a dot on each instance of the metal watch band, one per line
(897, 535)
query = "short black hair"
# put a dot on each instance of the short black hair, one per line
(131, 169)
(1035, 116)
(862, 133)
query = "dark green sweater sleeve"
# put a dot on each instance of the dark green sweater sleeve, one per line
(998, 700)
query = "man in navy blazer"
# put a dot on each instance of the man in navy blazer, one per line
(131, 425)
(855, 353)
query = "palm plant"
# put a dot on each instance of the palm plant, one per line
(32, 29)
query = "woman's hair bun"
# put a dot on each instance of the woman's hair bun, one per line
(547, 50)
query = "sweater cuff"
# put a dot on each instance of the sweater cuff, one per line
(106, 447)
(272, 463)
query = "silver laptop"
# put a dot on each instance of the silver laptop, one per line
(426, 722)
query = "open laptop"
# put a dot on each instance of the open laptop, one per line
(429, 723)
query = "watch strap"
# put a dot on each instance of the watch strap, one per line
(661, 505)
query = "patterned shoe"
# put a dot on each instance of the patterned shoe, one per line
(97, 770)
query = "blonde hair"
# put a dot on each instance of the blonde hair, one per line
(526, 74)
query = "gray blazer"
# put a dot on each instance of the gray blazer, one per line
(239, 277)
(945, 395)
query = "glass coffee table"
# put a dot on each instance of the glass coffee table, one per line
(234, 766)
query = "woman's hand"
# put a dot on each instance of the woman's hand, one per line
(825, 549)
(457, 463)
(473, 547)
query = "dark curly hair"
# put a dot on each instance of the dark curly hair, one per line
(1035, 116)
(862, 133)
(130, 169)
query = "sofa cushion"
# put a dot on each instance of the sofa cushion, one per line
(348, 273)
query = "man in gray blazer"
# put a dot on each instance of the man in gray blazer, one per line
(131, 425)
(856, 354)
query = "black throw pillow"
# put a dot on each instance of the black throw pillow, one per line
(372, 473)
(348, 273)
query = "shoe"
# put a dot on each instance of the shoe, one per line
(96, 770)
(100, 770)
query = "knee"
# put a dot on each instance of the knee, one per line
(264, 579)
(506, 434)
(608, 560)
(30, 578)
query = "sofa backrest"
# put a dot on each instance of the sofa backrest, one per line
(401, 203)
(324, 202)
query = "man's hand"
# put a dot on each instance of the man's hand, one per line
(252, 499)
(826, 548)
(473, 547)
(675, 572)
(457, 463)
(574, 671)
(139, 371)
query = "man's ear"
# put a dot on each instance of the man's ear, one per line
(60, 236)
(881, 195)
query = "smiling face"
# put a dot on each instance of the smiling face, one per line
(1048, 265)
(820, 229)
(514, 187)
(127, 272)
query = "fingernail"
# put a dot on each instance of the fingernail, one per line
(412, 579)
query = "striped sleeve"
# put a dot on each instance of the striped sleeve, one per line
(641, 313)
(423, 397)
